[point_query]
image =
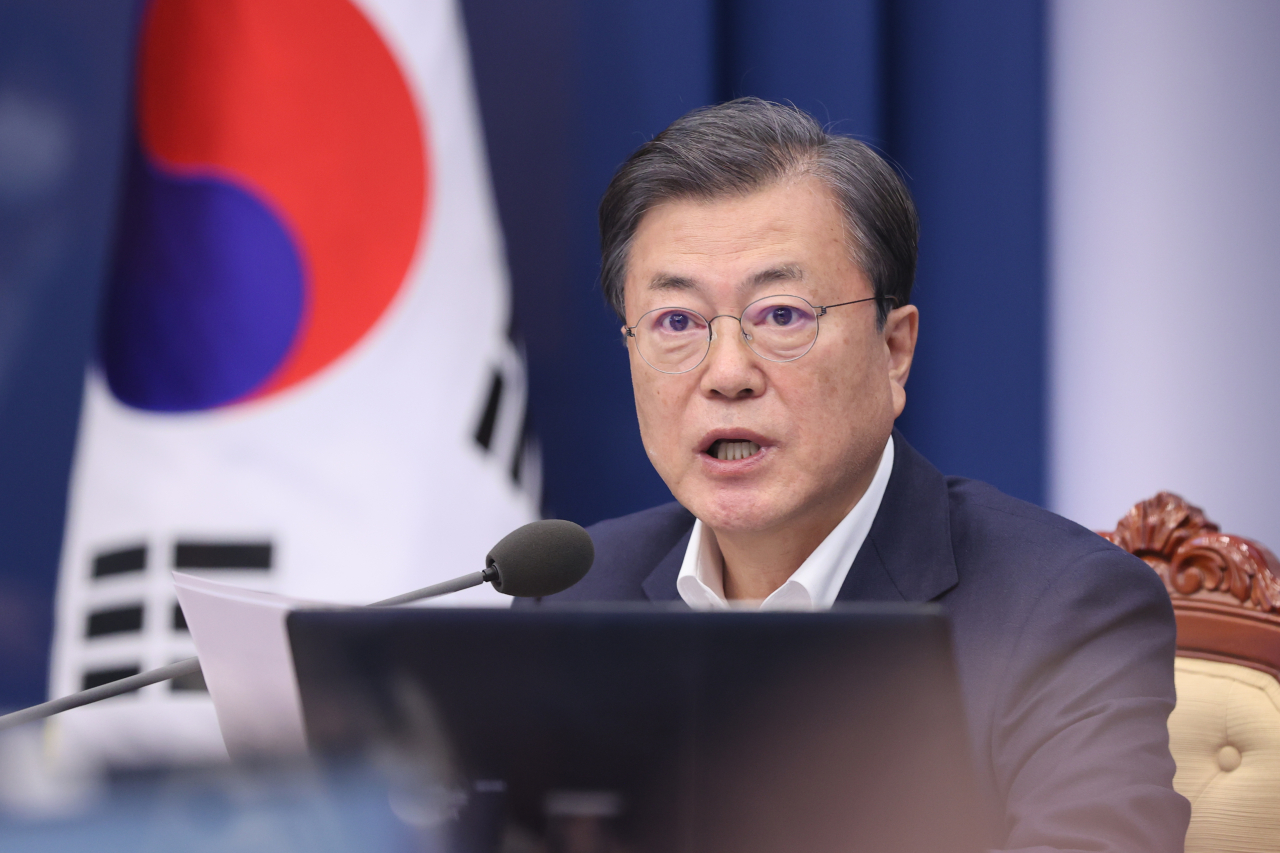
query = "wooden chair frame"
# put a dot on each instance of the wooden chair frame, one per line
(1225, 589)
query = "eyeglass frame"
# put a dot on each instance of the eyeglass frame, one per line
(820, 311)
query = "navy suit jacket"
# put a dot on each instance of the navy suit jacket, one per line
(1064, 646)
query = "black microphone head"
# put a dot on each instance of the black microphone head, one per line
(541, 558)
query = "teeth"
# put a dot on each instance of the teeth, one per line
(733, 450)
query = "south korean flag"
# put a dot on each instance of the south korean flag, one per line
(304, 383)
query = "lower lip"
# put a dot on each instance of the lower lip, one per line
(733, 466)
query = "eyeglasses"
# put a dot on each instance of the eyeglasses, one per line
(776, 328)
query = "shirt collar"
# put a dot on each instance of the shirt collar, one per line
(815, 584)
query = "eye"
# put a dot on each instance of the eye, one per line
(778, 313)
(676, 322)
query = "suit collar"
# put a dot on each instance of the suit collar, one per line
(660, 585)
(907, 555)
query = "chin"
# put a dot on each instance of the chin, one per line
(737, 511)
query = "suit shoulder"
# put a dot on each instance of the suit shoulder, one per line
(1000, 535)
(668, 521)
(977, 505)
(627, 550)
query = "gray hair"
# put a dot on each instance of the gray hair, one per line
(743, 145)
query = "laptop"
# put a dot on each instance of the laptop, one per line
(665, 729)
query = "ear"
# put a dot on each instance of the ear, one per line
(900, 329)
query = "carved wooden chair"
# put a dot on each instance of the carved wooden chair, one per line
(1225, 731)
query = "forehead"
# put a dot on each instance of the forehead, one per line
(732, 242)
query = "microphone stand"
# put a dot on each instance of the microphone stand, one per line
(192, 665)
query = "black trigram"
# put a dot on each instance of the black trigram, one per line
(484, 433)
(130, 619)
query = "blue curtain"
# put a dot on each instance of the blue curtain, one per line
(951, 90)
(64, 68)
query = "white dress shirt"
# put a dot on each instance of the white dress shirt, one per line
(817, 582)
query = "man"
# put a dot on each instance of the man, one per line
(763, 270)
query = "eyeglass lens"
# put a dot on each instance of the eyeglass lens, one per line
(777, 328)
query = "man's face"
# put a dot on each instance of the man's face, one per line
(821, 421)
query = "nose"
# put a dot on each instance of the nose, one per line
(731, 370)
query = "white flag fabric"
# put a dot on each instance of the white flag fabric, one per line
(305, 382)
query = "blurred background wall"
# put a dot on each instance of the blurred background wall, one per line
(958, 94)
(1165, 277)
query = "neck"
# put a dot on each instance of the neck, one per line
(756, 563)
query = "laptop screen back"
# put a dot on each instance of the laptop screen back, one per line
(737, 731)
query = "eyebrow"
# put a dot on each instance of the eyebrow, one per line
(665, 281)
(785, 272)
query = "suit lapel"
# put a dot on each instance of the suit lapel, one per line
(660, 585)
(907, 555)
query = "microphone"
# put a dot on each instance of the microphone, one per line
(540, 558)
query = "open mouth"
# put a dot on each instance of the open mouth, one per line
(728, 450)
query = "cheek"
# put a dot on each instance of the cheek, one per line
(658, 422)
(843, 392)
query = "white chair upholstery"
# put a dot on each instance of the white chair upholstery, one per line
(1225, 731)
(1225, 738)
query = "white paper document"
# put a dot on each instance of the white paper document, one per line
(244, 653)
